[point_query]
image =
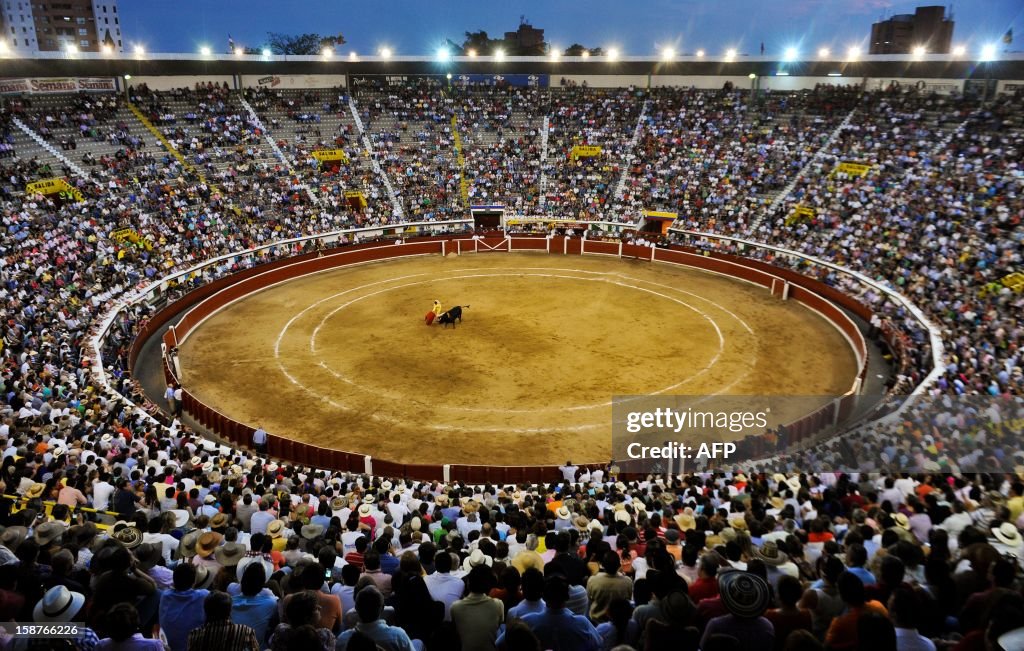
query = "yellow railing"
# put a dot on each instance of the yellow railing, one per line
(463, 183)
(19, 503)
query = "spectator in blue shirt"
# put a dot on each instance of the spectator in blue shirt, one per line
(388, 561)
(254, 607)
(369, 606)
(533, 593)
(181, 609)
(556, 627)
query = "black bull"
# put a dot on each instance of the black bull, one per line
(451, 315)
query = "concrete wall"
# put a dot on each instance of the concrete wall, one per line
(1010, 86)
(941, 86)
(292, 81)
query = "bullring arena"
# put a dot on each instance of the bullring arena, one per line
(342, 359)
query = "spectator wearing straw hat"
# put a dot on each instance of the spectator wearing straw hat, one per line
(59, 605)
(206, 545)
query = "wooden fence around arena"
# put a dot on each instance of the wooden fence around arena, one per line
(205, 301)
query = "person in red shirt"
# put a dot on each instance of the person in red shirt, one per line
(356, 558)
(818, 534)
(706, 585)
(842, 634)
(788, 617)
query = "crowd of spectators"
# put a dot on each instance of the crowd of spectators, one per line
(218, 548)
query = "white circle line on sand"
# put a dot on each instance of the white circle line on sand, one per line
(702, 371)
(375, 416)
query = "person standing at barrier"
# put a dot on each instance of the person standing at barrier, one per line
(178, 393)
(169, 397)
(259, 440)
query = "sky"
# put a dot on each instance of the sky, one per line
(636, 27)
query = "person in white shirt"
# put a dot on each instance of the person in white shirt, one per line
(397, 509)
(101, 492)
(569, 471)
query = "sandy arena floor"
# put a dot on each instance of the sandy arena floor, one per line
(343, 359)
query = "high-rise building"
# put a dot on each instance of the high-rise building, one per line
(88, 25)
(526, 38)
(927, 27)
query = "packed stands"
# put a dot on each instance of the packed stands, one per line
(876, 541)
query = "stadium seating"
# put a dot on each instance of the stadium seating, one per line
(921, 510)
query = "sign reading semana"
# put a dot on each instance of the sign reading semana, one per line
(41, 86)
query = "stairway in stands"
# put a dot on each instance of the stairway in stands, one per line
(620, 185)
(378, 170)
(277, 150)
(31, 133)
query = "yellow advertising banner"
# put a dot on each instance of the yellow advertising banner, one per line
(848, 167)
(584, 151)
(330, 154)
(659, 214)
(800, 213)
(54, 186)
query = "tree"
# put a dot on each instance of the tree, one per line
(481, 43)
(308, 44)
(576, 50)
(333, 41)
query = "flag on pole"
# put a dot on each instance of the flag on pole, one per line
(1008, 36)
(231, 43)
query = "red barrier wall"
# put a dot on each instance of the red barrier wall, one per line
(210, 298)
